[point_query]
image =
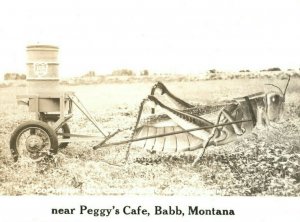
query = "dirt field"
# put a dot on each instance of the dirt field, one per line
(264, 163)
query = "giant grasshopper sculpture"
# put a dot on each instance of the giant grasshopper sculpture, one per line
(185, 127)
(181, 127)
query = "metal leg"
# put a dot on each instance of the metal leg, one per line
(206, 143)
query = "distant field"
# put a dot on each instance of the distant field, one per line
(265, 163)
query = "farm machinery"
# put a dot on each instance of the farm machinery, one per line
(181, 126)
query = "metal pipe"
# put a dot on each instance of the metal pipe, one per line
(87, 115)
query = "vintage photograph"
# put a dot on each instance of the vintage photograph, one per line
(159, 98)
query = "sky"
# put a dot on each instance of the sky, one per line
(163, 36)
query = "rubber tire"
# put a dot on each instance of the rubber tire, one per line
(65, 128)
(33, 123)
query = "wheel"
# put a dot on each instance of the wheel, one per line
(50, 120)
(65, 129)
(34, 139)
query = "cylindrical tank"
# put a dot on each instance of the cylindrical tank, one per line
(42, 69)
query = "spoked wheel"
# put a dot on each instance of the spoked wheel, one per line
(65, 129)
(33, 139)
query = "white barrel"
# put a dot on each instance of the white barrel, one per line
(42, 69)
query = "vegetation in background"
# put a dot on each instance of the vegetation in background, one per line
(14, 76)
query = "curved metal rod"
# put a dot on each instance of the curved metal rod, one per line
(269, 84)
(285, 89)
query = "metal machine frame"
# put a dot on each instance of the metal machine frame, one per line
(42, 105)
(59, 107)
